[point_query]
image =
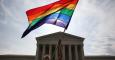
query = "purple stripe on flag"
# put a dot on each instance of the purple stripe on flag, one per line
(61, 23)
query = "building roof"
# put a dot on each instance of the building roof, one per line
(59, 36)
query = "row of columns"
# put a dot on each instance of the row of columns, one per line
(68, 51)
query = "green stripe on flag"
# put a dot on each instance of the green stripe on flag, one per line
(66, 11)
(35, 21)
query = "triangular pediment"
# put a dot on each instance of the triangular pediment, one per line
(59, 35)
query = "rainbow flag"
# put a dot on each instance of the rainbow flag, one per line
(58, 13)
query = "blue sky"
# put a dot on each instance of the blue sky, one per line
(92, 19)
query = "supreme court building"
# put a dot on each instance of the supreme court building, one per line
(71, 47)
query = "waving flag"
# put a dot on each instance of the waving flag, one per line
(58, 13)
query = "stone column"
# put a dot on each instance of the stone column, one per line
(56, 56)
(82, 52)
(43, 53)
(76, 53)
(70, 54)
(63, 52)
(50, 51)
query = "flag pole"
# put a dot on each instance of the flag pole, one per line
(64, 30)
(59, 50)
(66, 26)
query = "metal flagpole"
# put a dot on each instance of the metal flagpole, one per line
(59, 50)
(66, 26)
(64, 30)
